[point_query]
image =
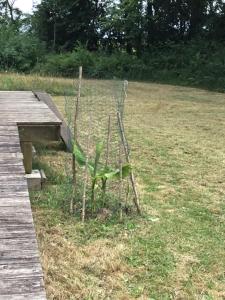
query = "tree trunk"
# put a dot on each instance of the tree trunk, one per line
(196, 17)
(10, 7)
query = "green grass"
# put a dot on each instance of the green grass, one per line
(175, 250)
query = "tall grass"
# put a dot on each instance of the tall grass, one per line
(54, 86)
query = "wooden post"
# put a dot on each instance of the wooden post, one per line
(126, 151)
(75, 130)
(86, 173)
(107, 155)
(26, 148)
(121, 181)
(75, 140)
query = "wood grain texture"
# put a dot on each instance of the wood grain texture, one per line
(21, 274)
(24, 108)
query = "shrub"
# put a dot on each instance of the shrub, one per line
(95, 64)
(67, 64)
(195, 63)
(19, 51)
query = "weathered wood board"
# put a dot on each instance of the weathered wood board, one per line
(21, 274)
(20, 270)
(24, 108)
(65, 131)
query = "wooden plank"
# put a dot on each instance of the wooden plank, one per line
(23, 108)
(33, 296)
(26, 284)
(20, 270)
(36, 133)
(65, 131)
(11, 158)
(11, 168)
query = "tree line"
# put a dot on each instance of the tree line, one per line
(130, 25)
(126, 38)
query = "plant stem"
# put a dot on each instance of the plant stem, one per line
(93, 193)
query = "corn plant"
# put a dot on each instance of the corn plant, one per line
(97, 171)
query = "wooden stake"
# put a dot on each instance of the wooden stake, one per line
(86, 174)
(84, 192)
(121, 181)
(127, 193)
(126, 150)
(75, 138)
(107, 158)
(108, 141)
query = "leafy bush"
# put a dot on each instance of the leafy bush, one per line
(118, 64)
(19, 51)
(67, 64)
(95, 64)
(196, 63)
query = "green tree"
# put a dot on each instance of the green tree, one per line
(64, 23)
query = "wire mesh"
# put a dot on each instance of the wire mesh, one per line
(100, 104)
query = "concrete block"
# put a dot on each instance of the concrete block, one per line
(34, 180)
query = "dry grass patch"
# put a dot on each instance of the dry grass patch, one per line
(95, 270)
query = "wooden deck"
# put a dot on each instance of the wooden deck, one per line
(20, 270)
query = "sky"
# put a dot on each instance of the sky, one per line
(26, 5)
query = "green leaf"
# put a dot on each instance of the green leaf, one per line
(81, 158)
(108, 173)
(98, 152)
(126, 170)
(103, 174)
(79, 155)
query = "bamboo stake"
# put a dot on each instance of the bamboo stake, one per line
(86, 174)
(121, 181)
(127, 154)
(84, 192)
(125, 87)
(75, 137)
(109, 133)
(108, 141)
(127, 193)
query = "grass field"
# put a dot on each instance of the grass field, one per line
(175, 250)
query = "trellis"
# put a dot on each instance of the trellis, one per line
(95, 118)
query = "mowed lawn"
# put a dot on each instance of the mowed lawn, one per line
(176, 249)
